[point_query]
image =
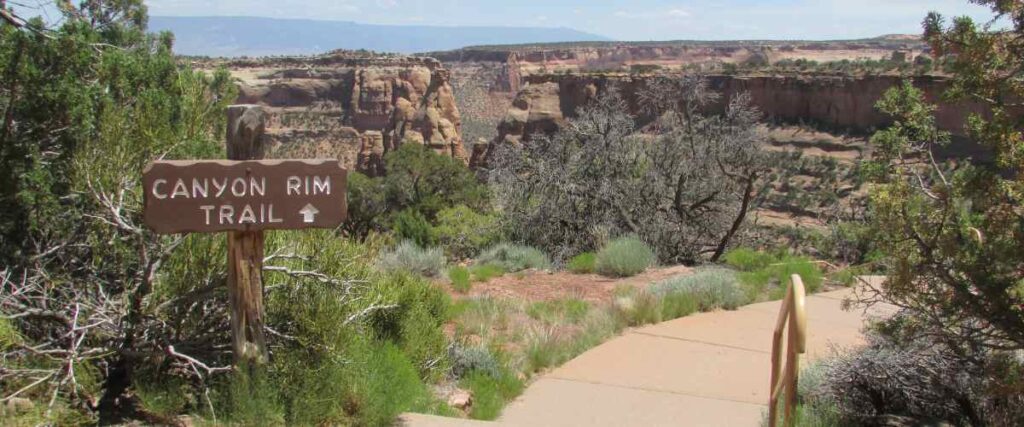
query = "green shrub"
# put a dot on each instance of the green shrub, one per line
(410, 225)
(464, 232)
(512, 258)
(624, 257)
(746, 259)
(459, 276)
(583, 263)
(414, 322)
(392, 387)
(569, 310)
(409, 257)
(485, 272)
(490, 393)
(711, 288)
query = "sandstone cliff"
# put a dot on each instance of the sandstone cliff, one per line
(354, 109)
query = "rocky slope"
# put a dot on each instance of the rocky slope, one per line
(353, 108)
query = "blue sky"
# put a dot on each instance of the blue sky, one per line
(618, 19)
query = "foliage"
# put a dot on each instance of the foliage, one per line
(411, 226)
(464, 232)
(600, 176)
(951, 233)
(86, 106)
(624, 257)
(485, 272)
(419, 184)
(584, 263)
(711, 288)
(409, 257)
(512, 258)
(459, 276)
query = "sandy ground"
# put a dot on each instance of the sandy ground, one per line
(543, 286)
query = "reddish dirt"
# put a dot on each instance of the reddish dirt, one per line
(542, 286)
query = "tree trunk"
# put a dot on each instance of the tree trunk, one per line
(748, 196)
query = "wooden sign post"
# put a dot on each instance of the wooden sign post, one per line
(244, 196)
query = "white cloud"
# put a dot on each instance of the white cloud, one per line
(679, 13)
(387, 4)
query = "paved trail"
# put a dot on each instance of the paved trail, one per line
(708, 369)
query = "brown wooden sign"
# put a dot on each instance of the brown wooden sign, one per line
(220, 195)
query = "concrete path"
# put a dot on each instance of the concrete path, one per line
(708, 369)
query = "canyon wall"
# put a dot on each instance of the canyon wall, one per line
(353, 109)
(839, 104)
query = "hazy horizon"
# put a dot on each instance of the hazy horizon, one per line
(620, 20)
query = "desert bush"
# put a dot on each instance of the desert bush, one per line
(459, 276)
(409, 257)
(712, 288)
(904, 376)
(466, 360)
(583, 263)
(623, 257)
(463, 232)
(600, 173)
(512, 258)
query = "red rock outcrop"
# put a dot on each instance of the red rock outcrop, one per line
(355, 109)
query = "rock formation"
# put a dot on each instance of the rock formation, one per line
(354, 109)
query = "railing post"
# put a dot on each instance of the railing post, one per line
(784, 380)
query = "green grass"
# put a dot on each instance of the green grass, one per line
(766, 275)
(485, 272)
(490, 393)
(513, 258)
(746, 259)
(568, 310)
(459, 277)
(584, 263)
(624, 257)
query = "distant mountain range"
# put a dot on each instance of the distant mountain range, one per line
(254, 36)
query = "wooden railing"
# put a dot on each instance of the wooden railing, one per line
(784, 382)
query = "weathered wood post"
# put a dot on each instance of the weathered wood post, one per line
(246, 124)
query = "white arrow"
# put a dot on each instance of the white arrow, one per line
(308, 212)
